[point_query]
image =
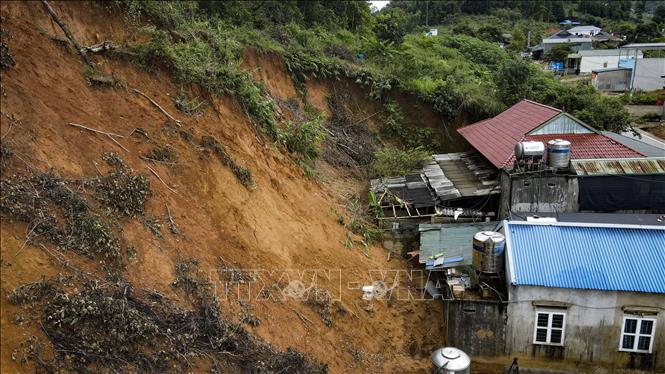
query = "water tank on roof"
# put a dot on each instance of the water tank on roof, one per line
(449, 360)
(558, 153)
(529, 149)
(488, 247)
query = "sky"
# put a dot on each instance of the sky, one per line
(379, 4)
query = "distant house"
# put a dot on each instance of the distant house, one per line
(568, 22)
(586, 292)
(565, 37)
(585, 30)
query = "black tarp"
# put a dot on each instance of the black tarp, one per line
(622, 192)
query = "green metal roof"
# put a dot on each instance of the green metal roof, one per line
(450, 239)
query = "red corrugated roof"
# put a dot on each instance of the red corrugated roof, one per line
(496, 137)
(590, 146)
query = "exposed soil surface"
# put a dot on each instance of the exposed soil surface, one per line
(285, 220)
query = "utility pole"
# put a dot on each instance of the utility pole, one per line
(426, 12)
(528, 39)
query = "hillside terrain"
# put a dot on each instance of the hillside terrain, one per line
(124, 239)
(184, 185)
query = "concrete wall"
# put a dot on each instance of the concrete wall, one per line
(477, 327)
(614, 80)
(649, 73)
(401, 235)
(593, 326)
(524, 193)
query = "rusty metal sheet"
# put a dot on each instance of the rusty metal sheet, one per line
(619, 166)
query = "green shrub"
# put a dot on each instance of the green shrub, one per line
(394, 119)
(305, 137)
(391, 161)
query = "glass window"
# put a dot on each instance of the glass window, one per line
(549, 327)
(637, 334)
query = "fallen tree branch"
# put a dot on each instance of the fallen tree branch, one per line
(100, 47)
(116, 142)
(177, 122)
(110, 135)
(68, 34)
(160, 179)
(95, 130)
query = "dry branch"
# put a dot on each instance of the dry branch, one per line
(68, 34)
(158, 106)
(95, 130)
(160, 179)
(116, 142)
(110, 135)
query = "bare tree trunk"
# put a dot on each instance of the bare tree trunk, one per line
(69, 35)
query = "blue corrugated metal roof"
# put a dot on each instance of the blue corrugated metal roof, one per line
(586, 256)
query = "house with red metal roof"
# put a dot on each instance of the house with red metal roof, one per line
(495, 138)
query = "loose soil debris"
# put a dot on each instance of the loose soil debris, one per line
(95, 324)
(243, 175)
(123, 192)
(5, 156)
(320, 299)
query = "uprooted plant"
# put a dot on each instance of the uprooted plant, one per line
(163, 154)
(57, 214)
(97, 325)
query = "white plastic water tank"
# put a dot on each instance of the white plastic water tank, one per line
(449, 360)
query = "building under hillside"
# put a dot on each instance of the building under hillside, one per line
(586, 292)
(574, 288)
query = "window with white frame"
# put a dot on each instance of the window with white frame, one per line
(637, 334)
(550, 327)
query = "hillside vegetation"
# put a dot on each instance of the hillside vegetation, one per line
(463, 73)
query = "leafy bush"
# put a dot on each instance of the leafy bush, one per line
(394, 119)
(305, 137)
(392, 161)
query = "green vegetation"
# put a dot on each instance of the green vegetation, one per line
(305, 137)
(463, 73)
(393, 161)
(643, 98)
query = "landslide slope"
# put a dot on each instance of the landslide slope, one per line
(197, 207)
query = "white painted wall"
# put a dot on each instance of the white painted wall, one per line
(590, 63)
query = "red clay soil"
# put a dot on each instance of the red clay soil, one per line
(287, 221)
